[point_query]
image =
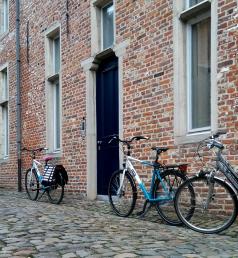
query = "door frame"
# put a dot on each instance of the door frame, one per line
(90, 67)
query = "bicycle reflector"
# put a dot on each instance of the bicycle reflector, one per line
(183, 167)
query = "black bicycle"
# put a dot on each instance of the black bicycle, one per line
(213, 203)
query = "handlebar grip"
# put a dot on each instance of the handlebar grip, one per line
(115, 137)
(218, 145)
(219, 132)
(137, 138)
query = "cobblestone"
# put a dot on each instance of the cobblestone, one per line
(82, 228)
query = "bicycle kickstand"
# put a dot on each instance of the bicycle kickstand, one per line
(41, 195)
(146, 208)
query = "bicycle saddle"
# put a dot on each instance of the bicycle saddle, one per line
(47, 158)
(160, 149)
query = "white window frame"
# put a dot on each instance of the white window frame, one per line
(182, 132)
(101, 21)
(96, 26)
(53, 77)
(4, 108)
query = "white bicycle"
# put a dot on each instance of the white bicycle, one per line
(51, 182)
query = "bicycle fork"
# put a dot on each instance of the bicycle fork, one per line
(119, 191)
(210, 195)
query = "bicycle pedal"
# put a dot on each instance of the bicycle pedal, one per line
(140, 213)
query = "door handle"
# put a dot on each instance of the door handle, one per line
(99, 145)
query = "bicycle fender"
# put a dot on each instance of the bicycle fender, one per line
(222, 180)
(133, 180)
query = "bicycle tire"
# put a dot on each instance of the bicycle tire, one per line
(172, 179)
(32, 184)
(214, 218)
(55, 191)
(122, 203)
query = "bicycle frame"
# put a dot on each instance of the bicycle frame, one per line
(34, 166)
(156, 173)
(224, 166)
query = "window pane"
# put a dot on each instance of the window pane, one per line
(5, 3)
(5, 130)
(3, 16)
(56, 116)
(201, 81)
(57, 54)
(194, 2)
(108, 25)
(3, 85)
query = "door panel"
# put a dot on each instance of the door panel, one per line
(107, 122)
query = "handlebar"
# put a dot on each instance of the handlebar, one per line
(34, 150)
(212, 142)
(127, 142)
(217, 134)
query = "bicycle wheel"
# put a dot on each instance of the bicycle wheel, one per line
(32, 184)
(214, 204)
(172, 179)
(122, 193)
(55, 191)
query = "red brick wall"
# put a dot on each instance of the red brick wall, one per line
(8, 168)
(227, 74)
(75, 46)
(147, 79)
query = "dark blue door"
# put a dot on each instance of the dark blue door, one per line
(107, 122)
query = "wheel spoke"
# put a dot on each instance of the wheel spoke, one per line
(214, 205)
(122, 201)
(31, 184)
(172, 179)
(55, 191)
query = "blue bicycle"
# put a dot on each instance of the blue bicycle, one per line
(122, 190)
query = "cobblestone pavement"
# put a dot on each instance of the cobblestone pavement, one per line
(80, 228)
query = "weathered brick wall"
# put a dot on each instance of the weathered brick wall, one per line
(8, 168)
(227, 74)
(75, 46)
(148, 106)
(148, 70)
(148, 77)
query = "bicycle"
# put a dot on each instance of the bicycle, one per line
(122, 190)
(213, 203)
(51, 182)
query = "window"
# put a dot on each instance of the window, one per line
(103, 26)
(194, 2)
(199, 82)
(53, 69)
(3, 16)
(4, 145)
(56, 54)
(107, 25)
(56, 115)
(195, 92)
